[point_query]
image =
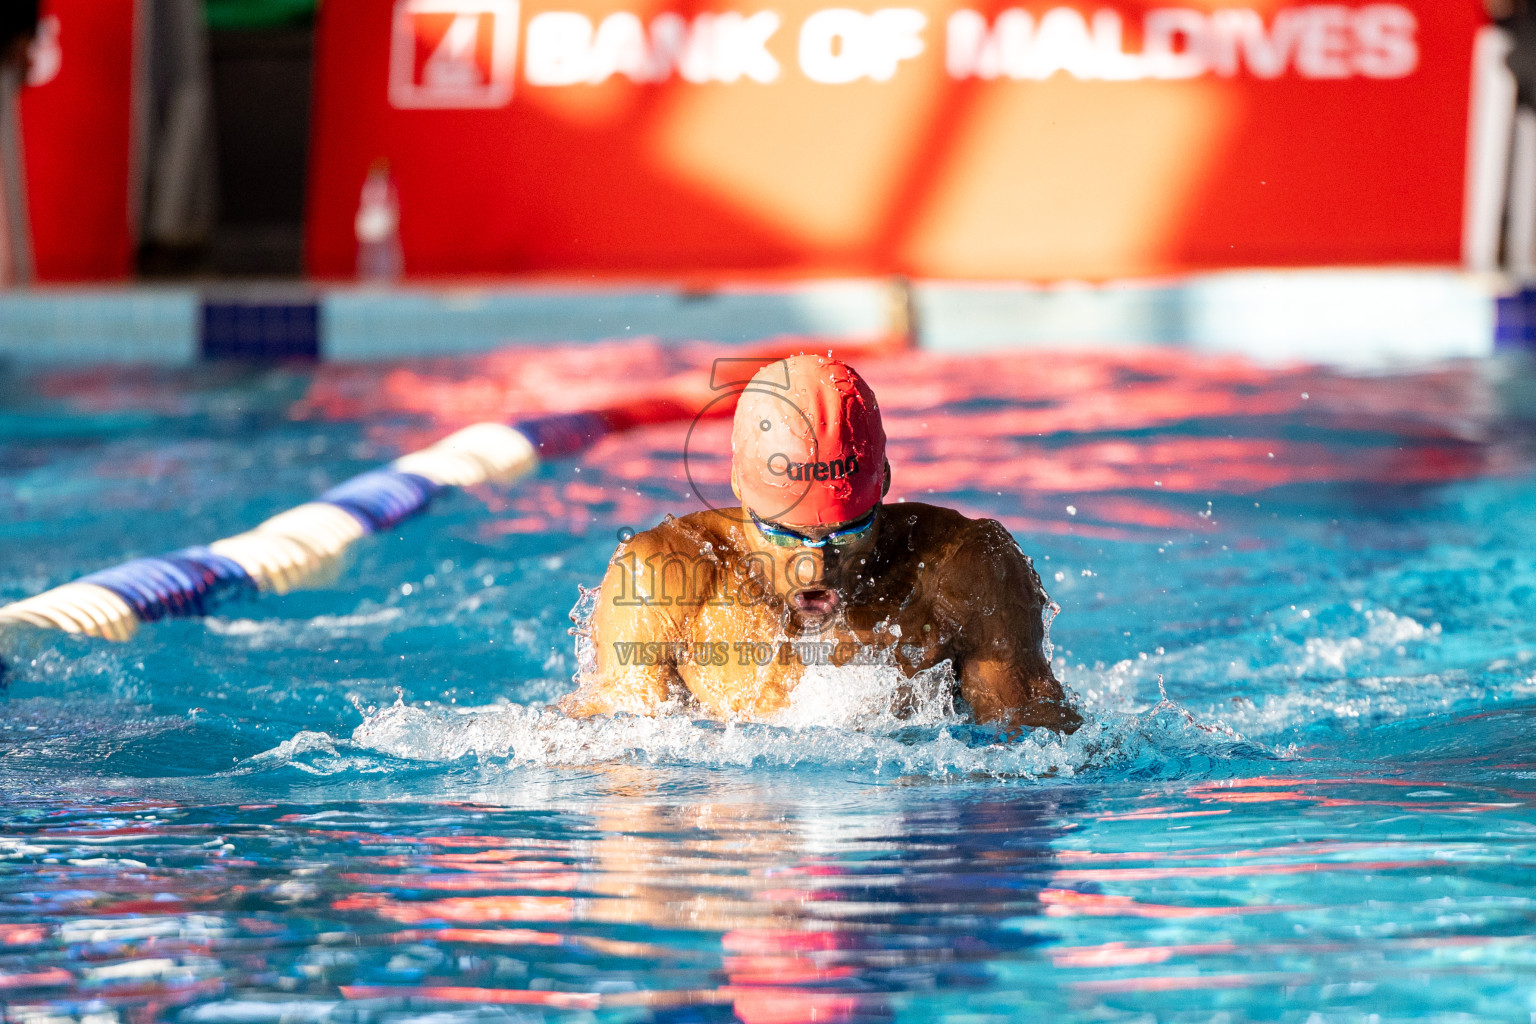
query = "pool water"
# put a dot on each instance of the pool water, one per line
(1296, 606)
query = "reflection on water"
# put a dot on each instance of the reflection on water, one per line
(770, 902)
(740, 906)
(1297, 607)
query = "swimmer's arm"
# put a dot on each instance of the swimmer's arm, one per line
(1003, 670)
(629, 633)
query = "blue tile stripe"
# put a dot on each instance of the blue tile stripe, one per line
(1515, 326)
(261, 331)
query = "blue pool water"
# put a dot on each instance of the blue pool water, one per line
(1296, 607)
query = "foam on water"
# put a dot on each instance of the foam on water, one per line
(846, 718)
(1345, 667)
(872, 698)
(535, 736)
(843, 718)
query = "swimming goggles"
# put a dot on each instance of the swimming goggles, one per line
(843, 536)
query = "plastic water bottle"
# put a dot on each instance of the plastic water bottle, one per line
(379, 258)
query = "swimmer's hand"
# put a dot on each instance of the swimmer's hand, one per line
(612, 684)
(1004, 673)
(613, 697)
(1018, 695)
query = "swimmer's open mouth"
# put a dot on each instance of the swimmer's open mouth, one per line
(818, 601)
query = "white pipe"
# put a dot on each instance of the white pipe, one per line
(1520, 237)
(1489, 128)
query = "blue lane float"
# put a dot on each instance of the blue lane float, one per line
(383, 497)
(186, 582)
(304, 544)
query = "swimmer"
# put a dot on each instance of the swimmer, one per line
(723, 610)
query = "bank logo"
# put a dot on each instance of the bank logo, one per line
(453, 54)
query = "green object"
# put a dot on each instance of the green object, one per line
(245, 14)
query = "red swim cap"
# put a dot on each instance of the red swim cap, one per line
(807, 446)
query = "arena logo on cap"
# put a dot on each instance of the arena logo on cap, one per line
(837, 469)
(450, 54)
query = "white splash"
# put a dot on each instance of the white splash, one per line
(315, 753)
(1384, 629)
(871, 697)
(1348, 668)
(524, 735)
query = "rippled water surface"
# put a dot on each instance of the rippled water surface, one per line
(1296, 606)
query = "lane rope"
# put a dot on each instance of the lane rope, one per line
(304, 544)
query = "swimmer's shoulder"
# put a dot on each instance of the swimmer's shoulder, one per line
(934, 529)
(645, 565)
(685, 536)
(974, 551)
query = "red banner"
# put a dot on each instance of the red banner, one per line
(948, 139)
(76, 118)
